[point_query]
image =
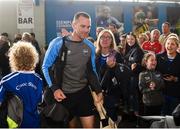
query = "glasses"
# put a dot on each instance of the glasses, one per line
(106, 37)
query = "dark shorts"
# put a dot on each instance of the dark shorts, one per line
(80, 104)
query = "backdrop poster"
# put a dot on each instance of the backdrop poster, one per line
(174, 19)
(106, 14)
(145, 18)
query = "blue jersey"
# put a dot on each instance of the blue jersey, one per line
(28, 86)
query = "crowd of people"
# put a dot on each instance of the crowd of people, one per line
(132, 75)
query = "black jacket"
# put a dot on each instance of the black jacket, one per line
(151, 97)
(106, 74)
(171, 88)
(133, 54)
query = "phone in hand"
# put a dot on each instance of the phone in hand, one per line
(112, 56)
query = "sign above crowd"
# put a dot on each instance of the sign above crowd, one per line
(25, 14)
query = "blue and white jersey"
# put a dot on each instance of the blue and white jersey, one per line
(28, 87)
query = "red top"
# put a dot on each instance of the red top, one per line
(152, 46)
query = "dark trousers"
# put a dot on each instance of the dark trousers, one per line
(111, 106)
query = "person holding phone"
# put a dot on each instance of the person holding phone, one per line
(107, 59)
(168, 64)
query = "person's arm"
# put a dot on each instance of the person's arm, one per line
(136, 66)
(49, 59)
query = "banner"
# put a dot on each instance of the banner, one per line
(25, 14)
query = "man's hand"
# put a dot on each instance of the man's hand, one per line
(59, 95)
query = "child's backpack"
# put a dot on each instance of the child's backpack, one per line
(11, 112)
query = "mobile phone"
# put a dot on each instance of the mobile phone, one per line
(112, 56)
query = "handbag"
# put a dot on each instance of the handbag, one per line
(105, 121)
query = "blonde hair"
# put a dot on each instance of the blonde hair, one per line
(23, 56)
(113, 43)
(146, 57)
(174, 37)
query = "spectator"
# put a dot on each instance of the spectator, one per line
(132, 58)
(153, 45)
(35, 43)
(114, 30)
(168, 64)
(151, 84)
(17, 37)
(4, 60)
(106, 63)
(165, 32)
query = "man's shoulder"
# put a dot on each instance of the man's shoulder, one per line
(57, 39)
(56, 43)
(89, 43)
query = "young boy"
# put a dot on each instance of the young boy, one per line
(24, 82)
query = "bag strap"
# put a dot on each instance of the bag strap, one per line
(59, 64)
(62, 58)
(132, 52)
(104, 76)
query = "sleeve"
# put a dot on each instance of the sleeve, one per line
(50, 57)
(2, 92)
(138, 55)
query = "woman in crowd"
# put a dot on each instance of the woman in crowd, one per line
(107, 63)
(132, 58)
(168, 64)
